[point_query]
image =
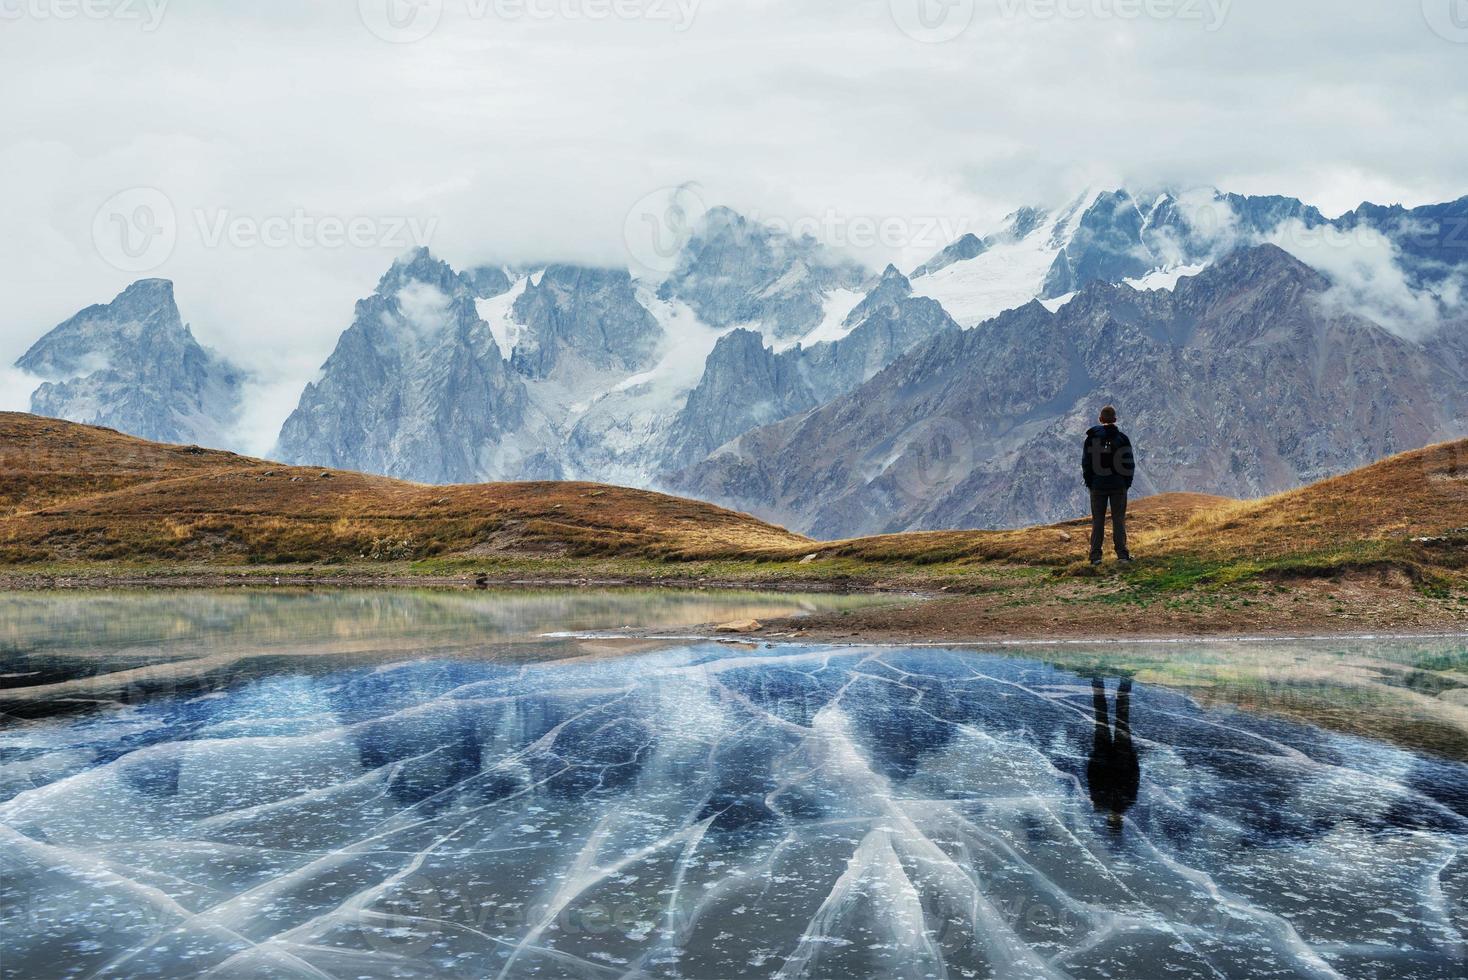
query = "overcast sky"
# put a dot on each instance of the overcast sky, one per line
(521, 130)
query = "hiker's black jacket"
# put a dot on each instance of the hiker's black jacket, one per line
(1107, 460)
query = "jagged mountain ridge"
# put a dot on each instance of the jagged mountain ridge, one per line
(1240, 382)
(576, 373)
(134, 365)
(416, 387)
(1151, 238)
(570, 372)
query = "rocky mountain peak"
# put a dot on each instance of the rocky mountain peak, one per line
(888, 295)
(734, 271)
(132, 364)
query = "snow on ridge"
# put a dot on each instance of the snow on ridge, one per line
(1007, 275)
(1166, 278)
(498, 312)
(833, 326)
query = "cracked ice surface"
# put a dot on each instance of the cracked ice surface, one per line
(714, 811)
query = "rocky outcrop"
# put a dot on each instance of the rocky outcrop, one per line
(133, 365)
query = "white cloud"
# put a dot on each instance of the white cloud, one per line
(425, 307)
(16, 387)
(1367, 278)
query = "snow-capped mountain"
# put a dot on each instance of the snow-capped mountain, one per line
(747, 384)
(416, 387)
(1151, 240)
(133, 365)
(570, 372)
(1242, 381)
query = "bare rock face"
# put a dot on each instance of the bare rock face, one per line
(416, 387)
(746, 384)
(133, 365)
(1243, 381)
(592, 314)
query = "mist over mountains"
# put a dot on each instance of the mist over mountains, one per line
(1253, 345)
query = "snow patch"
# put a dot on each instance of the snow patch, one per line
(1006, 276)
(1165, 278)
(794, 276)
(833, 326)
(499, 313)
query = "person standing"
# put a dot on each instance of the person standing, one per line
(1108, 465)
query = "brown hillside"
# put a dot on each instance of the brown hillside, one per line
(77, 493)
(1417, 495)
(73, 492)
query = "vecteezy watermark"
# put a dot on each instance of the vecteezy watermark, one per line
(935, 21)
(138, 229)
(892, 232)
(679, 13)
(1211, 14)
(1448, 19)
(301, 229)
(932, 21)
(147, 13)
(933, 456)
(400, 21)
(659, 225)
(406, 21)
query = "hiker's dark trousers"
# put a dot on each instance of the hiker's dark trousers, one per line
(1116, 501)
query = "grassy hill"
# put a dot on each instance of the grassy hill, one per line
(82, 501)
(78, 493)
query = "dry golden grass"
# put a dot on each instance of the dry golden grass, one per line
(73, 493)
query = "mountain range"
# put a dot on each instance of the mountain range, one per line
(768, 372)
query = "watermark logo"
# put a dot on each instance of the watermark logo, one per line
(658, 227)
(407, 21)
(679, 13)
(148, 14)
(302, 229)
(1211, 14)
(1448, 19)
(400, 21)
(936, 21)
(932, 21)
(136, 230)
(935, 455)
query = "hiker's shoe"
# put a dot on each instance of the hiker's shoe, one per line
(1095, 561)
(1126, 560)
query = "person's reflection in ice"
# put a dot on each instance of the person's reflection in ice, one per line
(1113, 773)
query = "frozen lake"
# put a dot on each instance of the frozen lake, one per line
(400, 784)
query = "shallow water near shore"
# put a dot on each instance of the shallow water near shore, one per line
(420, 784)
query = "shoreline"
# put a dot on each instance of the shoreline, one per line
(923, 610)
(788, 639)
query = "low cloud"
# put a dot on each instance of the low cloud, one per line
(266, 405)
(1368, 278)
(16, 387)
